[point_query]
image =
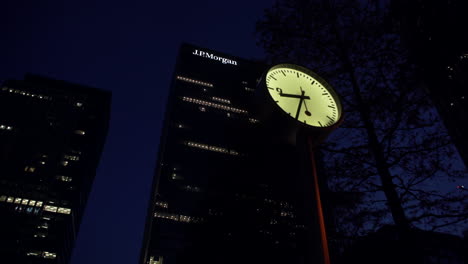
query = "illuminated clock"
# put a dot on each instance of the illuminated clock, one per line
(303, 95)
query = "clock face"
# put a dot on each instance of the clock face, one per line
(303, 95)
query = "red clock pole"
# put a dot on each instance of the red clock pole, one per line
(320, 216)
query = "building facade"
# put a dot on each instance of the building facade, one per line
(228, 187)
(51, 137)
(434, 33)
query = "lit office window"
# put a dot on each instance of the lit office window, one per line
(253, 120)
(192, 188)
(287, 214)
(43, 226)
(211, 148)
(25, 201)
(80, 132)
(162, 204)
(20, 92)
(32, 203)
(71, 157)
(176, 176)
(222, 100)
(50, 208)
(10, 199)
(17, 200)
(39, 204)
(49, 255)
(249, 89)
(41, 235)
(185, 79)
(79, 104)
(5, 127)
(33, 253)
(29, 169)
(214, 105)
(169, 216)
(64, 178)
(3, 198)
(62, 210)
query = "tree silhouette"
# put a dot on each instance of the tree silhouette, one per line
(392, 150)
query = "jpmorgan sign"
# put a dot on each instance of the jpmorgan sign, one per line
(208, 55)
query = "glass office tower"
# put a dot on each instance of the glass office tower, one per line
(228, 187)
(51, 137)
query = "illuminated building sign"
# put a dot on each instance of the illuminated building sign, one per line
(213, 57)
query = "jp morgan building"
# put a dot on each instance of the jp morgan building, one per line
(227, 187)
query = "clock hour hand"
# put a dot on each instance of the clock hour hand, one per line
(295, 96)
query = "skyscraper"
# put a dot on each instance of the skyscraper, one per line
(434, 34)
(51, 137)
(228, 186)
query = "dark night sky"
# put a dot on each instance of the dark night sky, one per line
(129, 48)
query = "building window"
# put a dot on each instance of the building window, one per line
(185, 79)
(176, 176)
(192, 188)
(214, 105)
(71, 157)
(80, 132)
(253, 120)
(49, 255)
(162, 204)
(222, 100)
(33, 253)
(62, 210)
(50, 208)
(211, 148)
(63, 178)
(6, 127)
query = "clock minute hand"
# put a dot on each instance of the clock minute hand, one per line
(300, 104)
(295, 95)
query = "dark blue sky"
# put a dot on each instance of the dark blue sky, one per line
(129, 48)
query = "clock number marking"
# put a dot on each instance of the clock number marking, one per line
(324, 94)
(312, 83)
(331, 106)
(270, 88)
(279, 90)
(273, 78)
(330, 118)
(297, 74)
(283, 73)
(320, 123)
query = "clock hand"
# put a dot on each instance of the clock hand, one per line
(307, 110)
(300, 104)
(294, 95)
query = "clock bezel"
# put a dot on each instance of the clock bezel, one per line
(319, 79)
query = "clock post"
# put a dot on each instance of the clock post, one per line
(311, 110)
